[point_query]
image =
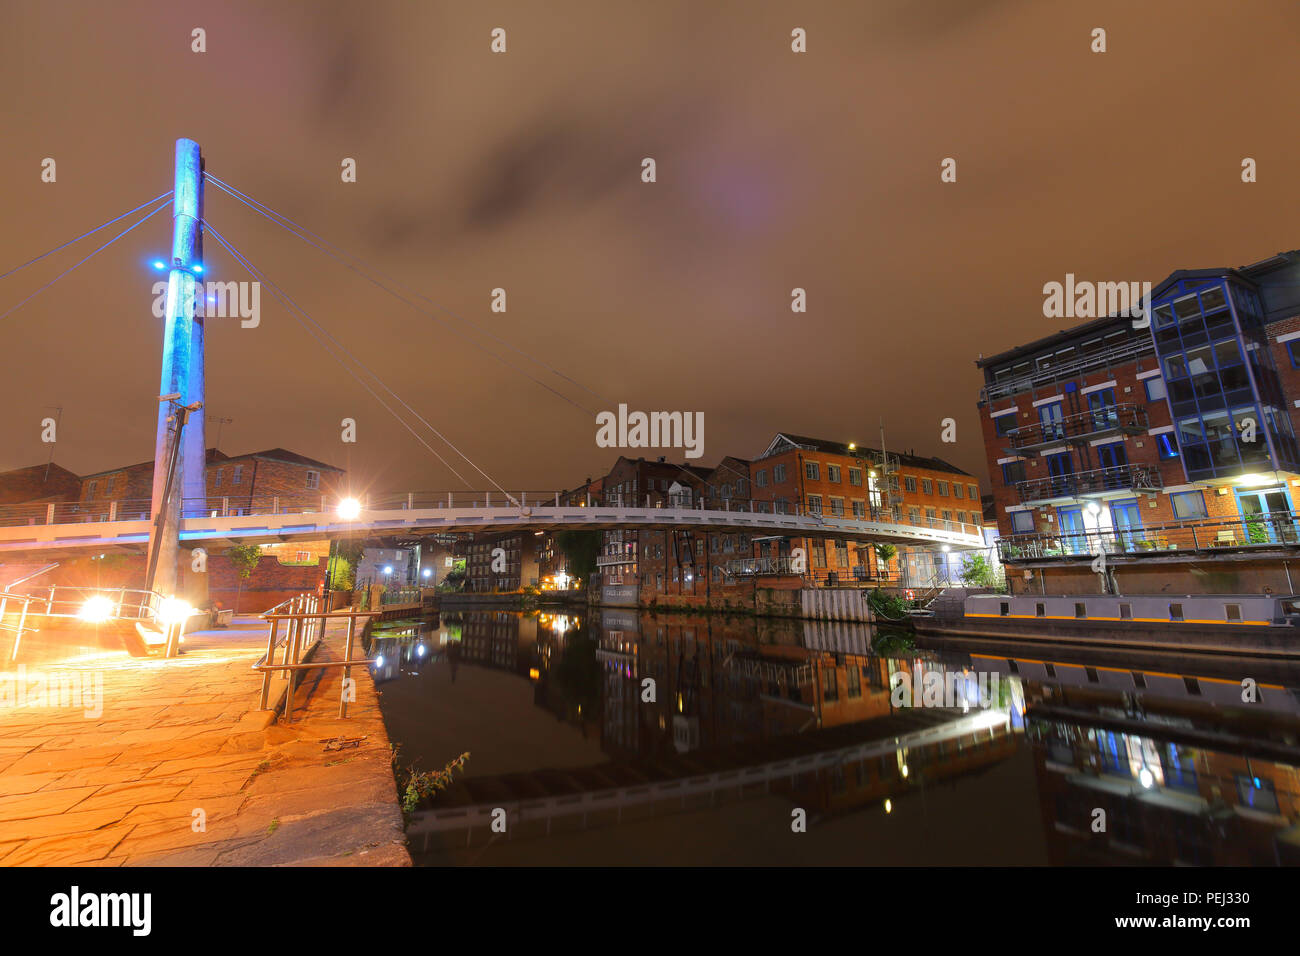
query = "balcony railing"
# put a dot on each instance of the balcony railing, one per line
(1271, 530)
(1083, 425)
(1062, 371)
(1097, 481)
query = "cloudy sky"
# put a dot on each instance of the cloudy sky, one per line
(522, 171)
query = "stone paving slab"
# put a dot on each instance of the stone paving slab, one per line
(122, 781)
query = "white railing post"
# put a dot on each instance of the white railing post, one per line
(410, 501)
(275, 504)
(49, 514)
(112, 511)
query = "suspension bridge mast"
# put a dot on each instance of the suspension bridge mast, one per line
(182, 375)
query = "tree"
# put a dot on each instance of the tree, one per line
(885, 553)
(976, 571)
(580, 550)
(244, 557)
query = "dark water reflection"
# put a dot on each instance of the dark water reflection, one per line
(994, 755)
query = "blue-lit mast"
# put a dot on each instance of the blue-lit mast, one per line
(182, 375)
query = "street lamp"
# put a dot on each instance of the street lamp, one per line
(96, 609)
(349, 509)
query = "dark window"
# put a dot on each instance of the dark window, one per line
(1232, 612)
(1040, 610)
(1004, 608)
(1004, 423)
(1139, 680)
(1291, 351)
(1175, 612)
(1080, 609)
(1126, 612)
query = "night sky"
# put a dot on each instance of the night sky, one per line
(522, 171)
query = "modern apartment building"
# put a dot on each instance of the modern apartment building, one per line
(1161, 441)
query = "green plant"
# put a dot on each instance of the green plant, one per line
(885, 553)
(887, 605)
(422, 786)
(244, 558)
(976, 571)
(1256, 533)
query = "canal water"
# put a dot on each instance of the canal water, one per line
(618, 737)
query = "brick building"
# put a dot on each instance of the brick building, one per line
(503, 562)
(817, 476)
(235, 485)
(1158, 443)
(38, 484)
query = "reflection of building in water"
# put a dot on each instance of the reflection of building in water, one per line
(504, 640)
(1131, 776)
(715, 684)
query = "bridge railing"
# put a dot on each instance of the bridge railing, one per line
(227, 506)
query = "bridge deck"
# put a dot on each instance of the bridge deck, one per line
(132, 536)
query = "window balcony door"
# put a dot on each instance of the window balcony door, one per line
(1072, 531)
(1050, 417)
(1266, 514)
(1127, 518)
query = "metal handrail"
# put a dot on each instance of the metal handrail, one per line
(1080, 425)
(305, 623)
(1269, 529)
(1114, 355)
(1115, 478)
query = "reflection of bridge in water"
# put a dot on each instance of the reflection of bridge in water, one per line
(533, 800)
(61, 530)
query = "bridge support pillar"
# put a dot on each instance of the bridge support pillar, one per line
(182, 377)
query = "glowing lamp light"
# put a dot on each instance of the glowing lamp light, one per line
(379, 661)
(419, 650)
(174, 610)
(534, 673)
(426, 572)
(159, 265)
(889, 806)
(198, 268)
(96, 609)
(1146, 778)
(388, 569)
(349, 509)
(1254, 480)
(1094, 508)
